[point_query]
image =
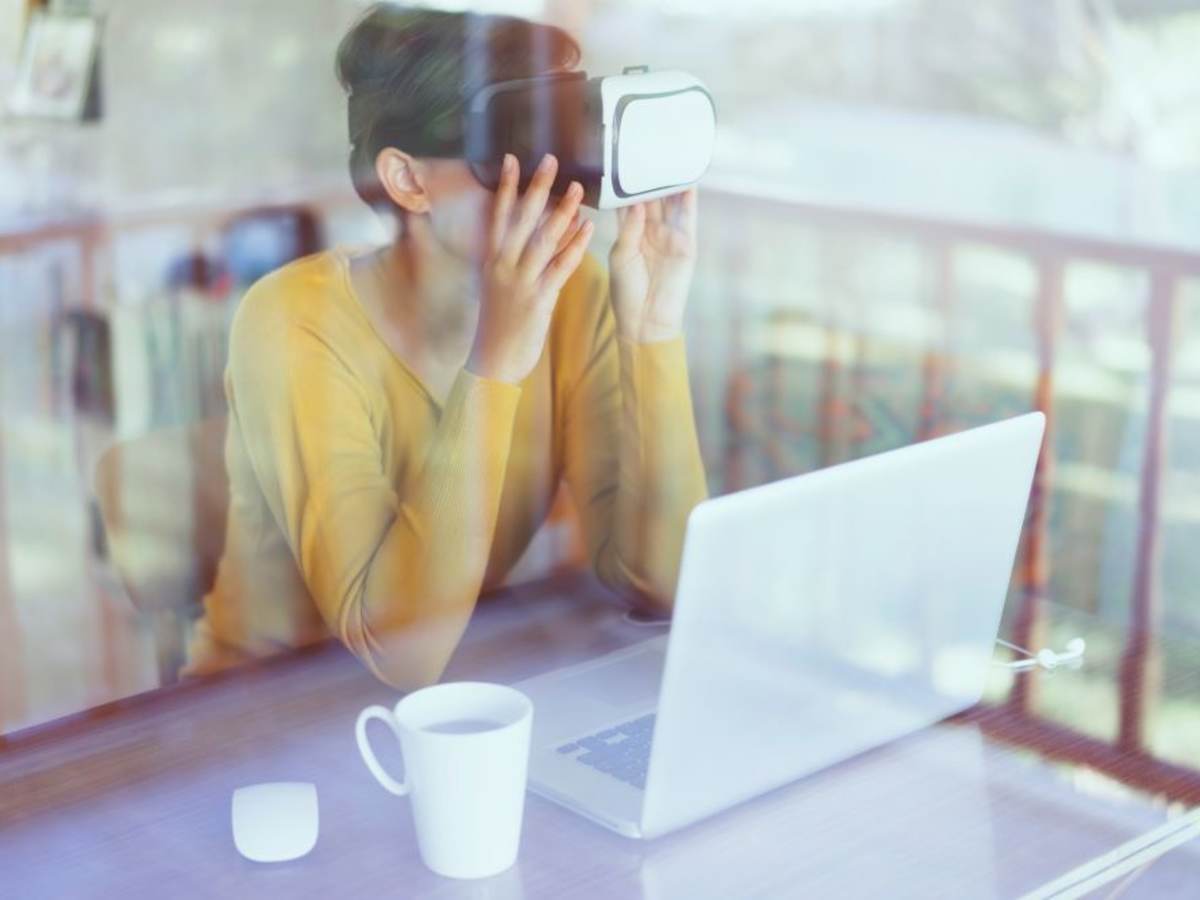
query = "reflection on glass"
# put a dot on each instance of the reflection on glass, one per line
(916, 222)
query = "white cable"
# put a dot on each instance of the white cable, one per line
(1045, 658)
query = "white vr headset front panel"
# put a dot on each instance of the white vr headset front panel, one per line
(658, 132)
(626, 138)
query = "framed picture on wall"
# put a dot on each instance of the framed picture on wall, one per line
(57, 67)
(12, 29)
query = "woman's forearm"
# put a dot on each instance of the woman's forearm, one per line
(420, 587)
(661, 474)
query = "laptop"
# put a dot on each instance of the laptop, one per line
(815, 618)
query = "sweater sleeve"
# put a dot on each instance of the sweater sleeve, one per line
(632, 458)
(394, 576)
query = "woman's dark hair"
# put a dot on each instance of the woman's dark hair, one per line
(408, 72)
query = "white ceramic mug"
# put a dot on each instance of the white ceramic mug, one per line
(466, 757)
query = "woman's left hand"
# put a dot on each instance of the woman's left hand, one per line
(651, 265)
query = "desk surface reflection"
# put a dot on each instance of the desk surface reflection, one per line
(130, 800)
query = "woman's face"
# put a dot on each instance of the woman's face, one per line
(461, 209)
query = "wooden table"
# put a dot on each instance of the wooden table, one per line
(134, 800)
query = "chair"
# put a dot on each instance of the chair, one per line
(163, 499)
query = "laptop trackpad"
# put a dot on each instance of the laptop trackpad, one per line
(628, 681)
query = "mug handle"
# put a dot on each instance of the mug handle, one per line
(383, 714)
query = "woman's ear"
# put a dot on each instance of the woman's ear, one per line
(399, 174)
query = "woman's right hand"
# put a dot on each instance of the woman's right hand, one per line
(525, 269)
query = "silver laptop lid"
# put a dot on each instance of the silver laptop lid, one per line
(823, 615)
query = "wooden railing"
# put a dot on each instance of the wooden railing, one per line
(1050, 255)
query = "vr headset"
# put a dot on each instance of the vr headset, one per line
(625, 138)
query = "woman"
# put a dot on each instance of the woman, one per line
(400, 420)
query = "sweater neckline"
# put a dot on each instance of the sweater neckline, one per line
(342, 255)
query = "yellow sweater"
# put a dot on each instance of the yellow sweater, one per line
(360, 507)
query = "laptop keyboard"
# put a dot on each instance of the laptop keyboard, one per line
(622, 751)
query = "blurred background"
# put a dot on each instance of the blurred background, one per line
(922, 215)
